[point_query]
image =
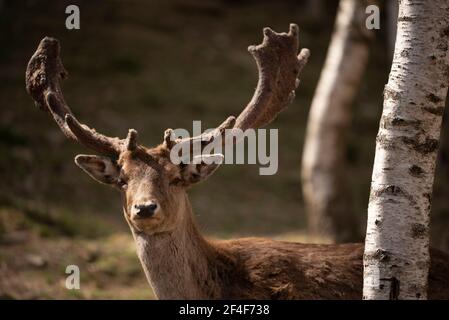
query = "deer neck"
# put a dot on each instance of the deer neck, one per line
(179, 264)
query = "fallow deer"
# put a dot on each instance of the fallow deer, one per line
(178, 261)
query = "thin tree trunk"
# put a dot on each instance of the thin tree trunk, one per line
(396, 259)
(323, 165)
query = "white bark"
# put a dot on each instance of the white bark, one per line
(396, 260)
(323, 162)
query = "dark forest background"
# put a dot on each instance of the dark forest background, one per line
(151, 65)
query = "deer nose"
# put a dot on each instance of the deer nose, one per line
(145, 210)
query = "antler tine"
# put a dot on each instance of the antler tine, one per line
(170, 139)
(131, 140)
(43, 75)
(279, 67)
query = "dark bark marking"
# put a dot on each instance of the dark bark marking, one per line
(394, 289)
(396, 121)
(381, 255)
(406, 18)
(442, 46)
(415, 170)
(428, 196)
(438, 111)
(389, 190)
(428, 146)
(433, 98)
(419, 230)
(445, 32)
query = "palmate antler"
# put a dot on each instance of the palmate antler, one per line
(43, 76)
(279, 66)
(277, 61)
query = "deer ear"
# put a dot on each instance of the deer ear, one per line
(102, 169)
(200, 169)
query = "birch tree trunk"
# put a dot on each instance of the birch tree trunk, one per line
(396, 260)
(323, 164)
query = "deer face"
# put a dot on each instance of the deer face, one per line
(152, 187)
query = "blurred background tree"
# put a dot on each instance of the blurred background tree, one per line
(324, 164)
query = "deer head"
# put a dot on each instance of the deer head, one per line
(153, 187)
